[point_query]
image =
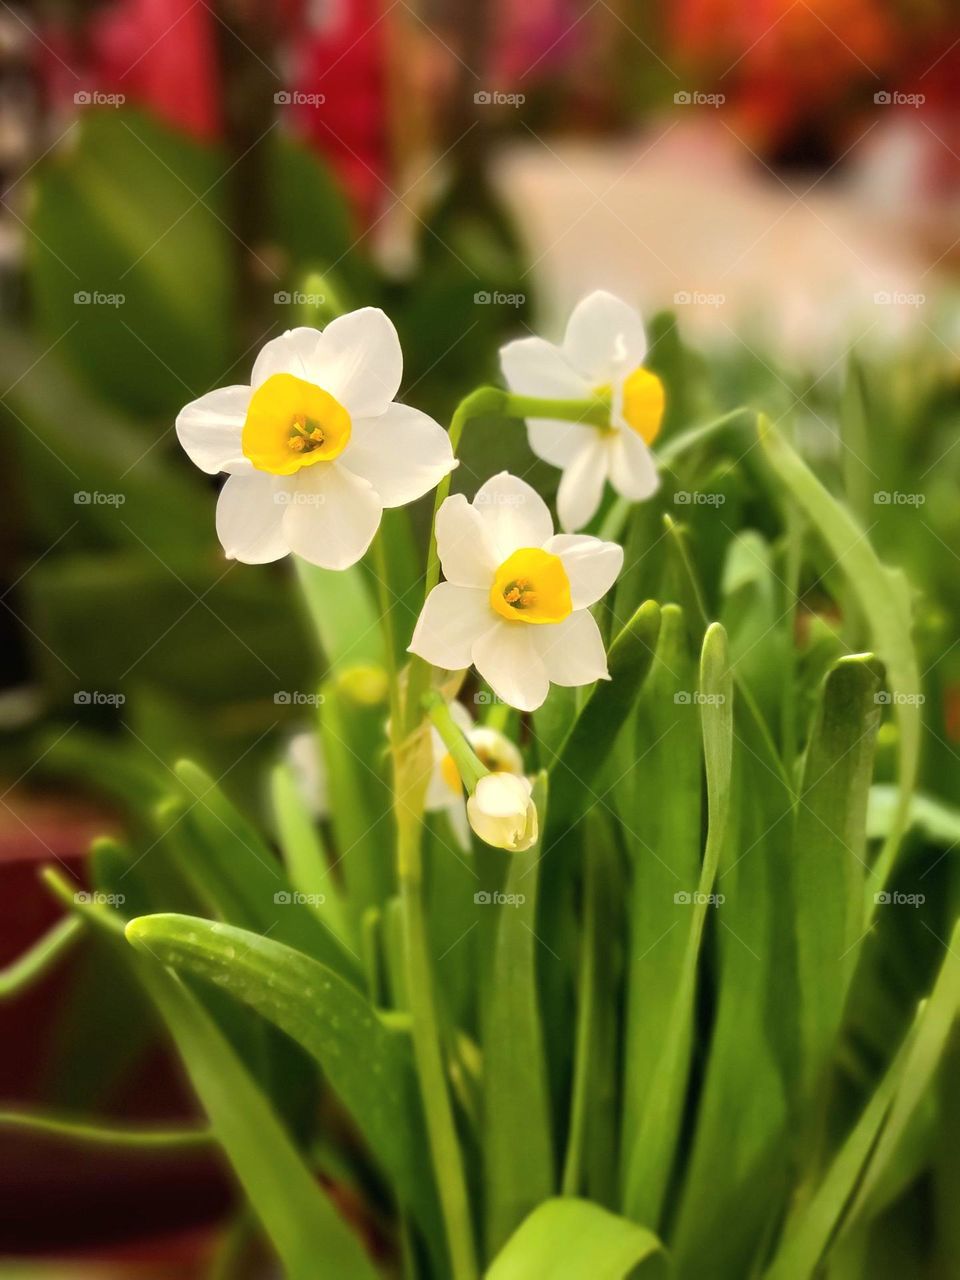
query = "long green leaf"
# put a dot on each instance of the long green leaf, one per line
(650, 1160)
(517, 1175)
(341, 608)
(883, 597)
(661, 751)
(829, 853)
(592, 736)
(313, 1242)
(242, 879)
(568, 1239)
(367, 1061)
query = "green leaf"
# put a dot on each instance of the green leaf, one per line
(865, 1155)
(517, 1175)
(367, 1061)
(341, 608)
(304, 855)
(883, 597)
(651, 1157)
(567, 1239)
(20, 974)
(242, 879)
(829, 850)
(310, 1237)
(593, 734)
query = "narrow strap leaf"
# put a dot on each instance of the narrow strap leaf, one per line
(30, 967)
(102, 1133)
(517, 1175)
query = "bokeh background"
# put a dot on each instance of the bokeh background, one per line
(777, 184)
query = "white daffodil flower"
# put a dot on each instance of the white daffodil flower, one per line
(502, 812)
(315, 447)
(517, 596)
(602, 354)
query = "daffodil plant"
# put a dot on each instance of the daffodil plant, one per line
(577, 880)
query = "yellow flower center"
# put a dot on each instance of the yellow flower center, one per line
(291, 424)
(532, 586)
(643, 400)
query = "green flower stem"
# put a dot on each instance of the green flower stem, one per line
(102, 1133)
(469, 765)
(33, 964)
(413, 763)
(382, 574)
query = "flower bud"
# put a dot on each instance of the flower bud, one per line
(502, 813)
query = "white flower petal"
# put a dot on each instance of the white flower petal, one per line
(250, 519)
(591, 565)
(604, 337)
(513, 514)
(633, 469)
(535, 367)
(465, 552)
(293, 352)
(581, 486)
(572, 651)
(306, 760)
(558, 442)
(359, 361)
(507, 658)
(210, 430)
(331, 517)
(450, 623)
(403, 453)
